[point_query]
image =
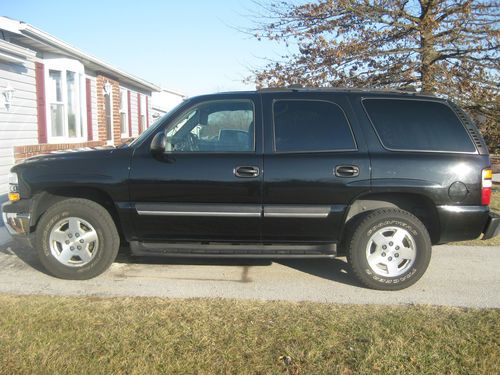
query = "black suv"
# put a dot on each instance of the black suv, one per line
(303, 173)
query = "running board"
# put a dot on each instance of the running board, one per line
(232, 250)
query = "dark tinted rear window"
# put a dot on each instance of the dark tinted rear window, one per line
(418, 125)
(308, 125)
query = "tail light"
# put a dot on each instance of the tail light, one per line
(486, 185)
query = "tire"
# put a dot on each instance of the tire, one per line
(388, 249)
(76, 239)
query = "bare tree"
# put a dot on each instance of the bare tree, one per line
(447, 47)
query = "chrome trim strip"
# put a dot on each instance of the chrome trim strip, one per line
(461, 209)
(293, 211)
(296, 214)
(199, 213)
(232, 210)
(200, 210)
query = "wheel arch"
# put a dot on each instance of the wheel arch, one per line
(419, 205)
(47, 198)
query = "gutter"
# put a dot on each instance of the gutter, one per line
(50, 40)
(20, 52)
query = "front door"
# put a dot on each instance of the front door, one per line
(207, 185)
(315, 164)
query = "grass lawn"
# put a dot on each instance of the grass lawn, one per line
(494, 206)
(55, 335)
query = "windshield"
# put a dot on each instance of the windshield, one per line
(152, 128)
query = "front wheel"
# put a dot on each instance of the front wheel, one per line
(389, 249)
(77, 239)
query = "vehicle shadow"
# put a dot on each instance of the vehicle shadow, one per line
(125, 257)
(329, 269)
(26, 254)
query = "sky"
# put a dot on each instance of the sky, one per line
(192, 46)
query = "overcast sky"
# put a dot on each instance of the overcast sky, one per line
(190, 46)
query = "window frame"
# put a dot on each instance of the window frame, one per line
(124, 110)
(111, 141)
(65, 65)
(275, 151)
(444, 103)
(185, 112)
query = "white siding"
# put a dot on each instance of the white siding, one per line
(18, 125)
(164, 100)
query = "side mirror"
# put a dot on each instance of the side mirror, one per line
(158, 144)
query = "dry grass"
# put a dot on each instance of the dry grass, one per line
(494, 206)
(59, 335)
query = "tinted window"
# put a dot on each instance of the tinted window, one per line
(310, 126)
(417, 125)
(219, 126)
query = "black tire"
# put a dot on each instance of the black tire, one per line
(104, 230)
(360, 242)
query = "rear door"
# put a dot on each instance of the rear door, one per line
(315, 164)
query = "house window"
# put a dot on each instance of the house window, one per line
(56, 103)
(124, 113)
(66, 100)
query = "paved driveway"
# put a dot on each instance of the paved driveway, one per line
(457, 276)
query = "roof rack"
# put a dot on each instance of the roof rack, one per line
(299, 88)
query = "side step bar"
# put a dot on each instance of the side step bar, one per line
(232, 250)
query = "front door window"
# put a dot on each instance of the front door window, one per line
(219, 126)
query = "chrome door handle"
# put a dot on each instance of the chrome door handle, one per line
(246, 171)
(346, 171)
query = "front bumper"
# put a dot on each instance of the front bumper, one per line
(492, 228)
(17, 224)
(17, 218)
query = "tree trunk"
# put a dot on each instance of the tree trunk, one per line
(427, 50)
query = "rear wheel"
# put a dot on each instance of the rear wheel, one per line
(77, 239)
(389, 249)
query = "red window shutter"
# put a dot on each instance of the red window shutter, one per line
(90, 135)
(139, 112)
(147, 111)
(41, 112)
(129, 114)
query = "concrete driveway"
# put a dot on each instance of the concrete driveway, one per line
(457, 276)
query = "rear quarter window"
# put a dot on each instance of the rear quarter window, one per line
(417, 125)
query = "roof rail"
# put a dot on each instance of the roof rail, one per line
(298, 88)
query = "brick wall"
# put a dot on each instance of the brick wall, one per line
(23, 152)
(117, 133)
(101, 112)
(99, 136)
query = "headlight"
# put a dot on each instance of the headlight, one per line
(14, 195)
(13, 178)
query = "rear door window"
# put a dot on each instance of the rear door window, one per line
(417, 125)
(310, 126)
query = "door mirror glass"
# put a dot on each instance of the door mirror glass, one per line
(158, 144)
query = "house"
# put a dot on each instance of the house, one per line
(55, 97)
(164, 100)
